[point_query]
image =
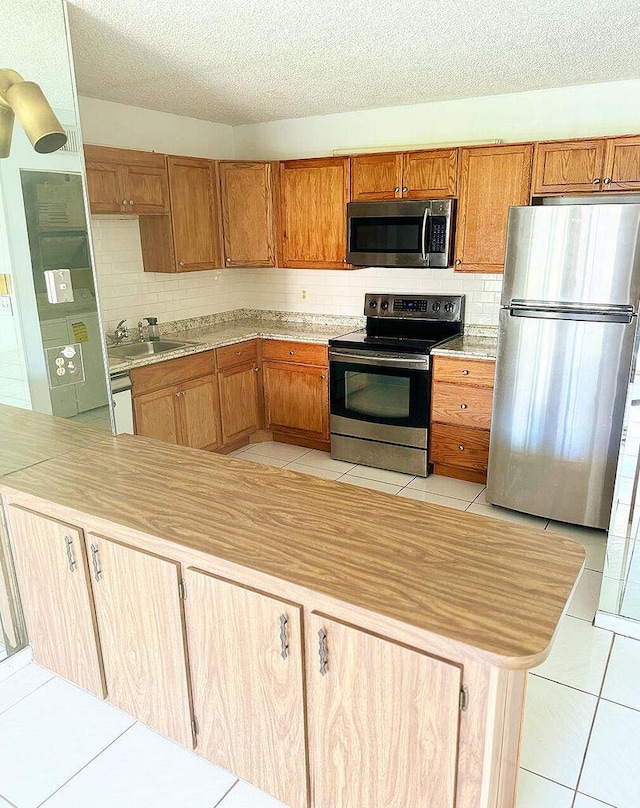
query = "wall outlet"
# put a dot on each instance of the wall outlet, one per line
(6, 306)
(303, 294)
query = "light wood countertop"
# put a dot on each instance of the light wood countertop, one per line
(485, 583)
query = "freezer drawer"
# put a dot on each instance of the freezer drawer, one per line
(557, 416)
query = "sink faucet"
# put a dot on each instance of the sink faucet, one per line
(121, 332)
(140, 331)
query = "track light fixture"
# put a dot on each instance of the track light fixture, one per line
(26, 101)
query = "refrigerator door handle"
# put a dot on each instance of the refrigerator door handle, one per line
(573, 314)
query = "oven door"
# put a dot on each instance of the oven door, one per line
(382, 397)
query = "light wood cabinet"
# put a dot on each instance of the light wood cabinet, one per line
(428, 174)
(622, 164)
(461, 403)
(492, 179)
(240, 403)
(247, 683)
(568, 166)
(178, 402)
(195, 216)
(313, 199)
(126, 181)
(141, 625)
(247, 214)
(383, 721)
(51, 568)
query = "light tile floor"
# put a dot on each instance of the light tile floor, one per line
(61, 748)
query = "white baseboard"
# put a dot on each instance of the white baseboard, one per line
(15, 662)
(620, 625)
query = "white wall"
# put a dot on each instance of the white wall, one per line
(127, 292)
(594, 109)
(105, 123)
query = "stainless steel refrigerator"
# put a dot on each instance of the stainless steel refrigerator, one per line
(566, 340)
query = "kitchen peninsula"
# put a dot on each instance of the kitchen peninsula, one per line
(332, 645)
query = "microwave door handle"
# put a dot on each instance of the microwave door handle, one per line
(425, 220)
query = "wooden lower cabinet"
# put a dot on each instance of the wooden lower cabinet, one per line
(383, 721)
(156, 415)
(240, 404)
(199, 413)
(52, 573)
(248, 684)
(296, 399)
(141, 626)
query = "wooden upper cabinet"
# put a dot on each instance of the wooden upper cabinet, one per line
(492, 179)
(247, 680)
(52, 573)
(385, 711)
(622, 164)
(247, 214)
(195, 220)
(314, 196)
(126, 181)
(141, 625)
(430, 174)
(568, 166)
(376, 177)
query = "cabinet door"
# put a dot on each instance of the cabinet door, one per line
(430, 174)
(383, 721)
(296, 399)
(492, 179)
(239, 402)
(200, 413)
(194, 213)
(622, 164)
(247, 683)
(570, 166)
(247, 214)
(52, 573)
(105, 188)
(314, 212)
(156, 415)
(376, 176)
(141, 625)
(147, 189)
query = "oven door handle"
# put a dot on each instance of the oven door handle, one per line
(425, 220)
(408, 363)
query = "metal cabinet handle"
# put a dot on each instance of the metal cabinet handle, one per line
(256, 370)
(228, 260)
(323, 375)
(131, 201)
(458, 261)
(182, 263)
(125, 202)
(70, 559)
(97, 570)
(463, 406)
(607, 180)
(239, 352)
(284, 642)
(404, 189)
(322, 651)
(465, 372)
(396, 190)
(461, 447)
(292, 353)
(596, 181)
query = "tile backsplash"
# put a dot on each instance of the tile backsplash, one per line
(128, 292)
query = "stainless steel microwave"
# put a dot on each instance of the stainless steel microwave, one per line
(406, 233)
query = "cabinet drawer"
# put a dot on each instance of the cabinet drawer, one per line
(459, 446)
(476, 372)
(237, 354)
(304, 353)
(462, 404)
(173, 371)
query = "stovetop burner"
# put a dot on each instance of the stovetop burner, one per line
(408, 324)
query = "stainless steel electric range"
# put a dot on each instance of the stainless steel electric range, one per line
(380, 380)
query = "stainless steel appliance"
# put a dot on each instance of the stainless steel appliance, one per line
(406, 233)
(380, 380)
(566, 340)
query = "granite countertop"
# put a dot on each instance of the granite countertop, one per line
(207, 337)
(469, 346)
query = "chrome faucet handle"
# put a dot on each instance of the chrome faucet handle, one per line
(121, 332)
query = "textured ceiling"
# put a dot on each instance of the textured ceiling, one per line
(243, 61)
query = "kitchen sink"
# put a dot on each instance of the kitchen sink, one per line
(137, 349)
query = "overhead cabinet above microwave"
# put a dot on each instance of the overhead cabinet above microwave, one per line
(400, 234)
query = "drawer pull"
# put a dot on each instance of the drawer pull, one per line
(256, 370)
(292, 353)
(461, 447)
(465, 372)
(323, 376)
(463, 406)
(239, 353)
(284, 642)
(322, 652)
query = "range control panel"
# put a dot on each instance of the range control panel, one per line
(447, 308)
